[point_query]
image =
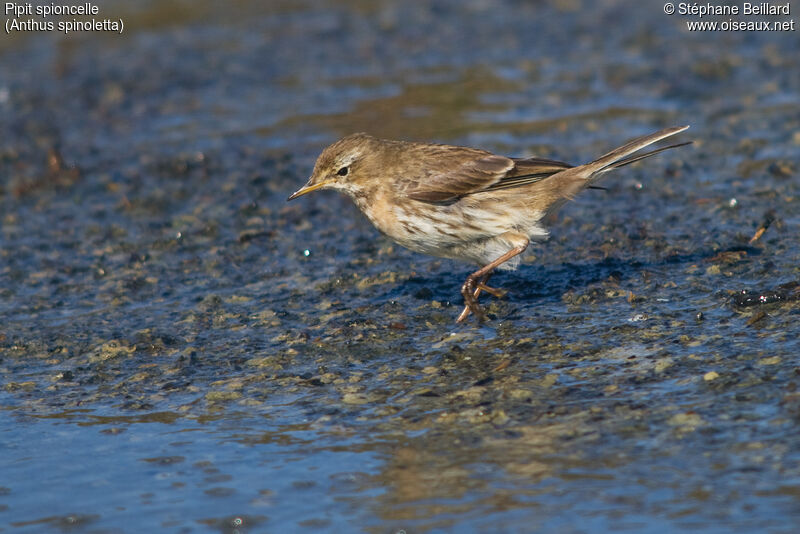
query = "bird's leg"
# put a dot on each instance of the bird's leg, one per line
(476, 282)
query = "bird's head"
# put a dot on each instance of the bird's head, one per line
(341, 166)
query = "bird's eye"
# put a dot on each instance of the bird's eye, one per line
(342, 171)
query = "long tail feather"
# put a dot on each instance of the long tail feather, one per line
(619, 157)
(633, 159)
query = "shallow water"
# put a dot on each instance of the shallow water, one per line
(182, 350)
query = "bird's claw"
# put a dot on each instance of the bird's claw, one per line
(470, 294)
(494, 291)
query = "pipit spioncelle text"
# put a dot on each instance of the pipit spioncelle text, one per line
(458, 202)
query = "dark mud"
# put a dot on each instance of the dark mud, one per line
(182, 350)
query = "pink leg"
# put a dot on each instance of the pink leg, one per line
(477, 282)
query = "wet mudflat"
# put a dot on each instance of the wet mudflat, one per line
(182, 350)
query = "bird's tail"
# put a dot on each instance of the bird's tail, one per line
(624, 155)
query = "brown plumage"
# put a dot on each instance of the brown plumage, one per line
(461, 203)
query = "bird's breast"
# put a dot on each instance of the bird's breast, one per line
(444, 230)
(415, 225)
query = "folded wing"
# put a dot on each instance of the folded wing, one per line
(485, 172)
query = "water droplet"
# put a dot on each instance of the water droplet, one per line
(732, 203)
(306, 253)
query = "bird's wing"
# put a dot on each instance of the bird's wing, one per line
(474, 174)
(482, 172)
(529, 171)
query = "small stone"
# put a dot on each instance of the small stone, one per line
(500, 417)
(222, 396)
(355, 398)
(686, 421)
(389, 277)
(663, 364)
(111, 349)
(25, 386)
(711, 375)
(549, 380)
(781, 169)
(520, 394)
(772, 360)
(266, 361)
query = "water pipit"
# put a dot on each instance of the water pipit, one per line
(458, 202)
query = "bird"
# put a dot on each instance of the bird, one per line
(462, 203)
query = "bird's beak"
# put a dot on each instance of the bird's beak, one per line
(308, 188)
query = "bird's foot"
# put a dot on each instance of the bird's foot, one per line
(476, 282)
(470, 294)
(494, 291)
